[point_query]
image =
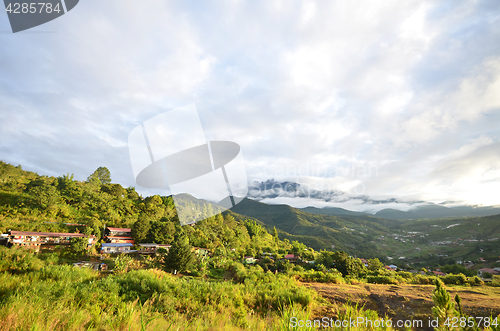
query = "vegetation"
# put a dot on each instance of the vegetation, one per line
(226, 290)
(180, 256)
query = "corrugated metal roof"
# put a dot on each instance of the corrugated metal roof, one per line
(46, 234)
(118, 245)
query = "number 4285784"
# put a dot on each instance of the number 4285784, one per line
(32, 8)
(470, 322)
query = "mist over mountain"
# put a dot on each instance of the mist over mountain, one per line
(338, 203)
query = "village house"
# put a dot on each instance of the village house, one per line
(118, 236)
(483, 271)
(147, 249)
(292, 258)
(47, 240)
(120, 248)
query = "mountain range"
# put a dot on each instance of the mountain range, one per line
(270, 190)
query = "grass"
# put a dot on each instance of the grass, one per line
(36, 294)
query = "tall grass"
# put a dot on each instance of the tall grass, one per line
(38, 295)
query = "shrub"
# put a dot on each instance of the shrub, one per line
(459, 279)
(475, 281)
(423, 279)
(320, 277)
(382, 280)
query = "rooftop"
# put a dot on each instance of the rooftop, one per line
(118, 245)
(119, 229)
(46, 234)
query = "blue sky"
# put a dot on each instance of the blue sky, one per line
(313, 91)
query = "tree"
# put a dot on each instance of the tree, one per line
(375, 265)
(253, 228)
(325, 258)
(161, 232)
(348, 265)
(443, 308)
(298, 248)
(122, 262)
(102, 174)
(275, 235)
(115, 190)
(179, 257)
(140, 229)
(78, 245)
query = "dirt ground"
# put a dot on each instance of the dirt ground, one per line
(403, 302)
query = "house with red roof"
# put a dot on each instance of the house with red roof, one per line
(118, 236)
(292, 258)
(483, 271)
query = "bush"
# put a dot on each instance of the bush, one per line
(459, 279)
(382, 280)
(18, 259)
(475, 281)
(320, 277)
(423, 279)
(495, 281)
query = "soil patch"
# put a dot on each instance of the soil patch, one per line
(403, 302)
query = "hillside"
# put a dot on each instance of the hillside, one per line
(355, 235)
(32, 202)
(426, 242)
(333, 211)
(433, 211)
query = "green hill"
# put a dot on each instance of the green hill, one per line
(355, 235)
(32, 202)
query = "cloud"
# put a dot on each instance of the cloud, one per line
(317, 90)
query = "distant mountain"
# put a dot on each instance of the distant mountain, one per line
(272, 189)
(432, 211)
(334, 211)
(354, 234)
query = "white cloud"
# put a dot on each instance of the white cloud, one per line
(307, 89)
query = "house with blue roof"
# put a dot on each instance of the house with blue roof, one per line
(109, 248)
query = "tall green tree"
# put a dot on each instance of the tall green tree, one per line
(443, 308)
(101, 173)
(348, 265)
(275, 235)
(78, 245)
(180, 256)
(375, 265)
(140, 229)
(253, 228)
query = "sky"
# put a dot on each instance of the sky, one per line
(381, 99)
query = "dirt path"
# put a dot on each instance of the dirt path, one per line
(403, 302)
